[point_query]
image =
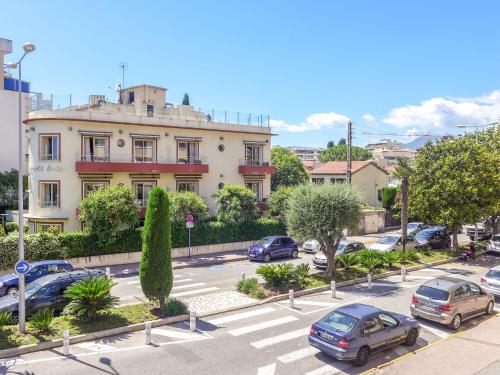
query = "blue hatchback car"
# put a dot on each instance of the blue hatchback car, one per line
(9, 282)
(273, 247)
(355, 331)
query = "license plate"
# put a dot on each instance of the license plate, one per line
(427, 307)
(325, 336)
(251, 255)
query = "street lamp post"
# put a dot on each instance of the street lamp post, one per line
(28, 48)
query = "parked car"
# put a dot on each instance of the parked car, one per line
(490, 282)
(320, 261)
(311, 246)
(391, 242)
(355, 331)
(273, 247)
(484, 231)
(449, 300)
(414, 228)
(9, 282)
(46, 292)
(493, 246)
(435, 237)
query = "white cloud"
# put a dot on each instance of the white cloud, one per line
(369, 118)
(315, 121)
(441, 113)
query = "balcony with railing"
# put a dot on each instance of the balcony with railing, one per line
(88, 163)
(255, 166)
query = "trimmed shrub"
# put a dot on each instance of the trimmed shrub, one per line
(41, 319)
(11, 227)
(174, 307)
(247, 286)
(5, 318)
(276, 274)
(155, 270)
(258, 293)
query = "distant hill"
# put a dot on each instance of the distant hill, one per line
(422, 140)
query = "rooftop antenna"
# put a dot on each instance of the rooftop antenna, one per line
(123, 67)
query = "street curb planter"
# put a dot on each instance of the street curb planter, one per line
(14, 352)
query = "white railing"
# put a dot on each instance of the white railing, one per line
(141, 159)
(255, 162)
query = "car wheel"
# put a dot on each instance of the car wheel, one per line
(362, 356)
(411, 338)
(489, 308)
(267, 258)
(455, 323)
(12, 291)
(295, 254)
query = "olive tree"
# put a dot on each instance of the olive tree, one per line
(322, 212)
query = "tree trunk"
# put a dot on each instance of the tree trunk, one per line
(404, 210)
(454, 241)
(330, 267)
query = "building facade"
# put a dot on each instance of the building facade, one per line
(386, 152)
(140, 142)
(306, 153)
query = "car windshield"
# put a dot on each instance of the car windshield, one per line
(412, 226)
(433, 293)
(493, 274)
(425, 234)
(339, 322)
(340, 248)
(265, 241)
(31, 288)
(388, 240)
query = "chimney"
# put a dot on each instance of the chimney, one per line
(5, 49)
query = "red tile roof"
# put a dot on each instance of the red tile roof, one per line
(310, 164)
(340, 167)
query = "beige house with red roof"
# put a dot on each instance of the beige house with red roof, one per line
(367, 175)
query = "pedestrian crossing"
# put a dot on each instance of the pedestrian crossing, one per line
(183, 286)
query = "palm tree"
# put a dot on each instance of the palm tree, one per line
(403, 172)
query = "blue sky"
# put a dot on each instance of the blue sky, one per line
(390, 66)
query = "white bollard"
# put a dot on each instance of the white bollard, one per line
(243, 276)
(108, 272)
(192, 321)
(147, 331)
(403, 273)
(333, 287)
(369, 277)
(290, 299)
(66, 342)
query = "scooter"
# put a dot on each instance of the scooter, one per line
(467, 254)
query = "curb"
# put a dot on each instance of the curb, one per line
(14, 352)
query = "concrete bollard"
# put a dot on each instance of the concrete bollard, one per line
(243, 276)
(65, 342)
(290, 299)
(192, 321)
(147, 332)
(369, 277)
(333, 287)
(403, 273)
(108, 272)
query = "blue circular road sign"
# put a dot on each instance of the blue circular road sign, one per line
(22, 267)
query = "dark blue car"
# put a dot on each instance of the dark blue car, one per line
(355, 331)
(273, 247)
(9, 282)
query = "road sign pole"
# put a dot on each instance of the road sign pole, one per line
(22, 267)
(189, 241)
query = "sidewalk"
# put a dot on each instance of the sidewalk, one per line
(476, 351)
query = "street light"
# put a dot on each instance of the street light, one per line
(28, 48)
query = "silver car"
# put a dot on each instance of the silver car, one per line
(319, 259)
(311, 246)
(449, 300)
(494, 244)
(490, 282)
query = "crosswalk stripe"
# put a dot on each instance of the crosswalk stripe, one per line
(187, 286)
(267, 370)
(399, 350)
(280, 338)
(310, 303)
(176, 276)
(261, 326)
(197, 291)
(298, 354)
(338, 292)
(182, 281)
(95, 346)
(234, 317)
(388, 284)
(133, 282)
(174, 334)
(435, 331)
(329, 369)
(9, 362)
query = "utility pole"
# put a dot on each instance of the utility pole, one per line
(349, 152)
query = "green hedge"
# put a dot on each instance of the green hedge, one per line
(80, 244)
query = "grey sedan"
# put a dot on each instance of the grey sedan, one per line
(490, 282)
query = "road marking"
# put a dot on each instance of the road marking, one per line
(329, 369)
(280, 338)
(400, 351)
(248, 314)
(174, 334)
(338, 292)
(10, 362)
(267, 370)
(133, 282)
(197, 291)
(435, 331)
(388, 285)
(177, 276)
(95, 346)
(298, 354)
(187, 286)
(261, 326)
(182, 280)
(310, 303)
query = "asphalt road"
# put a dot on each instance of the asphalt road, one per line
(263, 340)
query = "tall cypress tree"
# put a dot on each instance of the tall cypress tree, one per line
(155, 271)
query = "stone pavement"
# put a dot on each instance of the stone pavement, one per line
(214, 302)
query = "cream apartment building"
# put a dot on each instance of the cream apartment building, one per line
(141, 142)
